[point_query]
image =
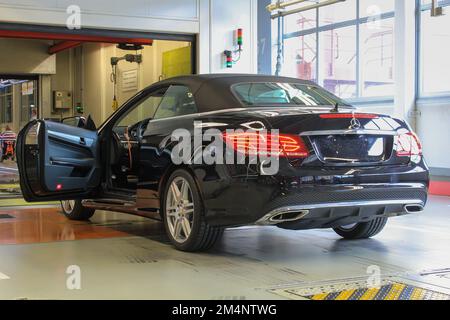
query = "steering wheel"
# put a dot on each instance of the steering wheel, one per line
(136, 131)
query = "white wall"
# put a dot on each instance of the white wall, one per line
(26, 57)
(433, 127)
(151, 15)
(226, 17)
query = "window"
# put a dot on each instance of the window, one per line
(373, 8)
(434, 51)
(300, 58)
(28, 101)
(177, 101)
(143, 110)
(284, 94)
(377, 58)
(346, 47)
(300, 21)
(338, 12)
(338, 61)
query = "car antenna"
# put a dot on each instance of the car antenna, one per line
(336, 108)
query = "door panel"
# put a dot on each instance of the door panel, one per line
(57, 161)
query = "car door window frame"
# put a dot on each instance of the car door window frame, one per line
(180, 115)
(136, 104)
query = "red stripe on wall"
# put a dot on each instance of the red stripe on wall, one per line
(440, 188)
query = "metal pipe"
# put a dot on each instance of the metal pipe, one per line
(305, 8)
(416, 208)
(279, 48)
(283, 5)
(436, 10)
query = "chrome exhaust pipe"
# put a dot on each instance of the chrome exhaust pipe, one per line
(413, 208)
(288, 216)
(276, 217)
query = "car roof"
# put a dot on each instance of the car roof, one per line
(227, 78)
(213, 91)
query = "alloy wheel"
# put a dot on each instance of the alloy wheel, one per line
(179, 209)
(68, 205)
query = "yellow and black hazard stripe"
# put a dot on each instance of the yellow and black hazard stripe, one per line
(392, 291)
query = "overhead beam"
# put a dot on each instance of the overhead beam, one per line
(304, 8)
(71, 37)
(64, 45)
(283, 5)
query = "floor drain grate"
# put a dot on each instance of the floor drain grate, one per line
(6, 216)
(395, 290)
(140, 260)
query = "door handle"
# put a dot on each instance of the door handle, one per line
(82, 141)
(70, 162)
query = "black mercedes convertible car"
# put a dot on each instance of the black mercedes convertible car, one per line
(337, 167)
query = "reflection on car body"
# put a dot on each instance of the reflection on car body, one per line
(346, 170)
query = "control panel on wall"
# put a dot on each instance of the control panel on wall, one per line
(62, 100)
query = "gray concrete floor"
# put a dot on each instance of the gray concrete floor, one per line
(8, 172)
(246, 264)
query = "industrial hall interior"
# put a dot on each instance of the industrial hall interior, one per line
(347, 100)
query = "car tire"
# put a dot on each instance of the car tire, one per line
(74, 210)
(363, 230)
(184, 214)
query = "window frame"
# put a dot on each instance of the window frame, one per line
(422, 96)
(339, 100)
(177, 116)
(4, 94)
(115, 122)
(23, 121)
(357, 22)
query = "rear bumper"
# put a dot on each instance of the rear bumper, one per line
(310, 202)
(331, 215)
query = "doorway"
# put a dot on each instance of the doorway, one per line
(18, 105)
(54, 73)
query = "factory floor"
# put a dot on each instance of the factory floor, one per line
(115, 256)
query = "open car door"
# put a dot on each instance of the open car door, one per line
(57, 161)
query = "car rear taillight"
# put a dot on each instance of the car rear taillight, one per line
(258, 144)
(408, 145)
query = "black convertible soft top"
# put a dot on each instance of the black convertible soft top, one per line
(213, 91)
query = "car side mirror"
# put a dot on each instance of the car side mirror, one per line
(77, 121)
(90, 124)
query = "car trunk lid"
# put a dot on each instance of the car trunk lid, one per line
(342, 138)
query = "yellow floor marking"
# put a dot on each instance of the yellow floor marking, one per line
(321, 296)
(9, 186)
(417, 294)
(21, 202)
(345, 295)
(370, 294)
(395, 291)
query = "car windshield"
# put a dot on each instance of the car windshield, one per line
(285, 94)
